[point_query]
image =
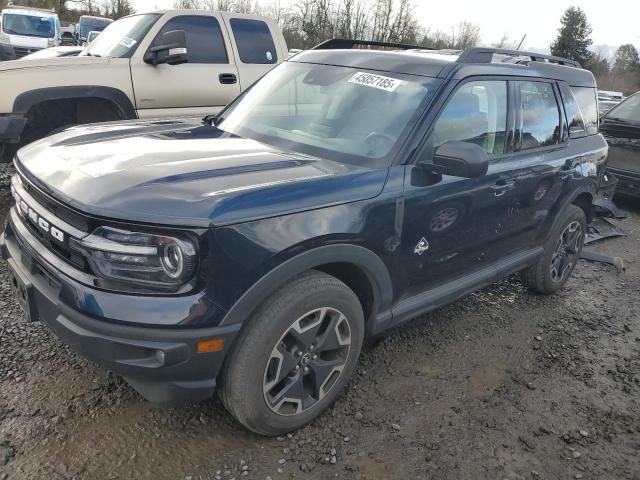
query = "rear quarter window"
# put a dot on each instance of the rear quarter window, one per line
(573, 113)
(587, 101)
(254, 41)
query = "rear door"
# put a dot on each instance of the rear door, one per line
(257, 44)
(204, 85)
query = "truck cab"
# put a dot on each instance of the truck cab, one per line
(25, 30)
(120, 76)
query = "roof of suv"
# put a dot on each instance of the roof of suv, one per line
(452, 63)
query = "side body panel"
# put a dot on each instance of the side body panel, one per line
(189, 87)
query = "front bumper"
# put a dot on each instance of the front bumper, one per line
(162, 364)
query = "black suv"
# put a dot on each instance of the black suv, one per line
(346, 192)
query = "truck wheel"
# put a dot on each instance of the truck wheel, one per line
(561, 253)
(294, 356)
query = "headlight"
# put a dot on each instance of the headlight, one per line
(152, 261)
(51, 42)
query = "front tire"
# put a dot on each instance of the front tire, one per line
(561, 253)
(294, 356)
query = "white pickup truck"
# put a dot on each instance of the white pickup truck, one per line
(158, 64)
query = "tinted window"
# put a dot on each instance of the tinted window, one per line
(540, 115)
(205, 43)
(586, 98)
(476, 113)
(254, 41)
(628, 111)
(572, 111)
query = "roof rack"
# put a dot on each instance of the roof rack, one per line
(485, 55)
(343, 43)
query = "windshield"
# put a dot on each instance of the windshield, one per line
(627, 111)
(31, 26)
(119, 40)
(88, 25)
(340, 113)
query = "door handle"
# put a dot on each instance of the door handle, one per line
(228, 78)
(502, 187)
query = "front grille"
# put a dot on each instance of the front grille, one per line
(50, 230)
(20, 52)
(56, 208)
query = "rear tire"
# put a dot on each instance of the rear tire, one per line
(294, 356)
(561, 253)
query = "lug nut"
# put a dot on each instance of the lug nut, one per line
(312, 347)
(297, 367)
(315, 357)
(305, 369)
(300, 353)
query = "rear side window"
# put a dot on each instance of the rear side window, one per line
(476, 113)
(586, 98)
(540, 115)
(205, 43)
(254, 41)
(573, 113)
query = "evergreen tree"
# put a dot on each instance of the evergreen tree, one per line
(573, 36)
(626, 58)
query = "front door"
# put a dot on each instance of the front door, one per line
(454, 226)
(204, 85)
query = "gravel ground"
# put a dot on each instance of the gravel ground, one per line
(503, 384)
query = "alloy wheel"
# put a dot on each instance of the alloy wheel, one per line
(307, 361)
(566, 252)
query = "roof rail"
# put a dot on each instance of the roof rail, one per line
(343, 43)
(485, 55)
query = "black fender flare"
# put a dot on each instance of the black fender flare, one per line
(588, 186)
(25, 101)
(361, 257)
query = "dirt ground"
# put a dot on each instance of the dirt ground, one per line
(503, 384)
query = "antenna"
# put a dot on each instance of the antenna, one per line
(521, 41)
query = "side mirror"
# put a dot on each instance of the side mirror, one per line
(461, 159)
(170, 48)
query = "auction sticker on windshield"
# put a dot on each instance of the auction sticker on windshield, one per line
(376, 81)
(127, 42)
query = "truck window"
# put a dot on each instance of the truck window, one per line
(254, 41)
(540, 115)
(572, 111)
(476, 113)
(586, 98)
(205, 43)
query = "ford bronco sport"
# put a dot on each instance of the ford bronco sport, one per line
(139, 67)
(346, 192)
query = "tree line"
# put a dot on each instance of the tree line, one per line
(309, 22)
(71, 10)
(574, 42)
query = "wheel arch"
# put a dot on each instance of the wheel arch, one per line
(360, 268)
(27, 100)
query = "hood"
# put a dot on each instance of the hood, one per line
(186, 173)
(64, 62)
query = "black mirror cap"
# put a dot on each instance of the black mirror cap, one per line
(461, 159)
(170, 48)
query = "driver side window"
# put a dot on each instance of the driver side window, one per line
(476, 113)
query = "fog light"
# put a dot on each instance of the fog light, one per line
(208, 346)
(160, 356)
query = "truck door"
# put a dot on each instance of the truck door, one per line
(256, 46)
(456, 226)
(204, 85)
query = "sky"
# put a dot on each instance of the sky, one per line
(614, 22)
